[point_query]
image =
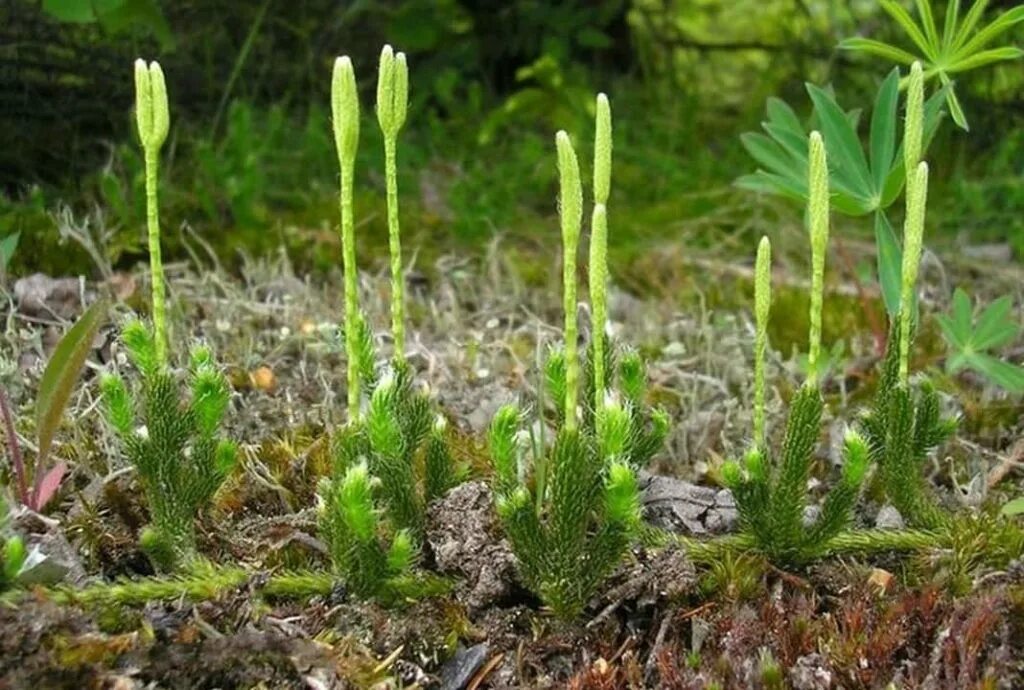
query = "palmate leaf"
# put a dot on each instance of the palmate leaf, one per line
(859, 184)
(890, 262)
(968, 340)
(957, 49)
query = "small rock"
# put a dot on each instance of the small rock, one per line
(459, 670)
(889, 518)
(811, 514)
(466, 542)
(51, 557)
(45, 297)
(681, 506)
(880, 578)
(809, 673)
(263, 379)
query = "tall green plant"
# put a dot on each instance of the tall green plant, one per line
(391, 459)
(571, 510)
(960, 47)
(771, 497)
(903, 427)
(178, 452)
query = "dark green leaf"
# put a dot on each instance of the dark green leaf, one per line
(61, 372)
(779, 113)
(844, 149)
(769, 154)
(883, 130)
(890, 52)
(890, 263)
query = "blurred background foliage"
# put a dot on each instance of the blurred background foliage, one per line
(250, 164)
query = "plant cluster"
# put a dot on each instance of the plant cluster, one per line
(177, 451)
(391, 458)
(571, 509)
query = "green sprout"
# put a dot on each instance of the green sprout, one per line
(599, 242)
(817, 211)
(179, 455)
(571, 213)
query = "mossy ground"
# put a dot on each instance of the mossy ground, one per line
(947, 618)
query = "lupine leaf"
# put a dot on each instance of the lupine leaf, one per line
(1012, 508)
(841, 141)
(970, 22)
(890, 262)
(986, 57)
(994, 327)
(873, 47)
(1008, 376)
(883, 130)
(1001, 23)
(902, 17)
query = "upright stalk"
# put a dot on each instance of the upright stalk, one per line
(153, 119)
(345, 112)
(571, 207)
(762, 307)
(916, 198)
(599, 242)
(818, 208)
(392, 101)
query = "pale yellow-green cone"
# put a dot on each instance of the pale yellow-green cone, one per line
(151, 110)
(913, 131)
(571, 212)
(345, 120)
(603, 151)
(762, 308)
(392, 103)
(913, 234)
(153, 119)
(599, 241)
(818, 210)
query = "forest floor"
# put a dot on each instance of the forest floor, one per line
(945, 618)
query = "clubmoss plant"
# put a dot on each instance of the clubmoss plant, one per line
(153, 119)
(903, 426)
(391, 457)
(771, 497)
(571, 510)
(177, 451)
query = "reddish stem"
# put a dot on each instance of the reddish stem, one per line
(15, 448)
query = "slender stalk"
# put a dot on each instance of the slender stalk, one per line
(571, 207)
(913, 233)
(345, 113)
(818, 209)
(395, 248)
(599, 241)
(762, 307)
(392, 103)
(156, 264)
